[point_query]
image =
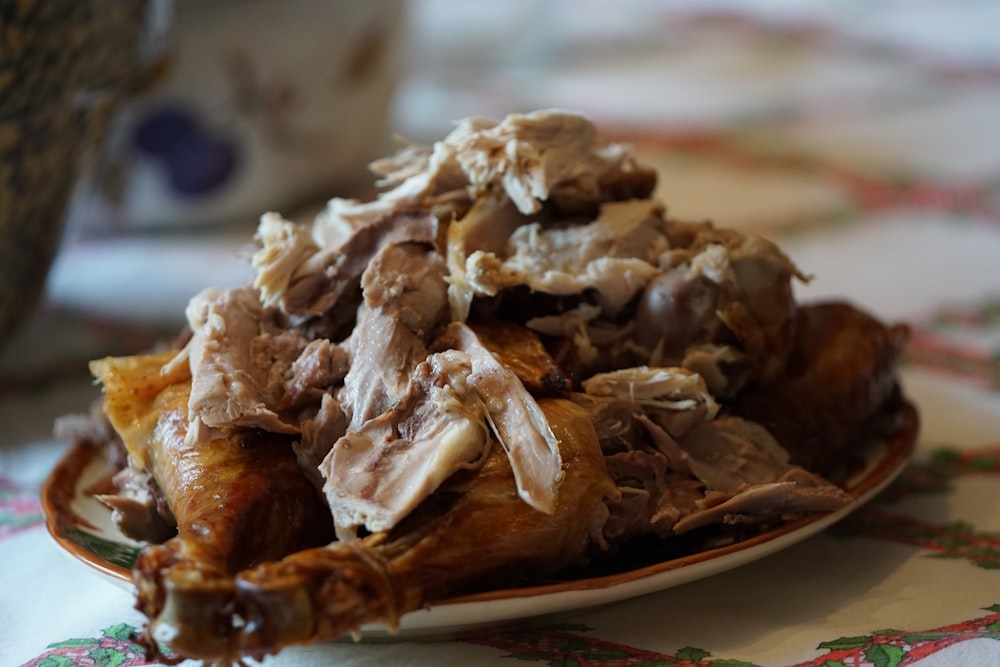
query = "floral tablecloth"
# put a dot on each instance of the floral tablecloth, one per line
(861, 136)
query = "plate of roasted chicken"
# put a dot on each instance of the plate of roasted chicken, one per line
(510, 385)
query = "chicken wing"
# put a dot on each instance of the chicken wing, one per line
(238, 500)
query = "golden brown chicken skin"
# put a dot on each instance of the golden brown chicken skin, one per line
(321, 593)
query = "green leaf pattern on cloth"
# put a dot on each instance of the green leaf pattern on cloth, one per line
(116, 647)
(934, 475)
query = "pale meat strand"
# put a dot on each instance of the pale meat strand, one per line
(238, 363)
(662, 388)
(517, 421)
(284, 246)
(616, 255)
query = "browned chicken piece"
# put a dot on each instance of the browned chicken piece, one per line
(319, 594)
(520, 350)
(447, 361)
(840, 376)
(238, 500)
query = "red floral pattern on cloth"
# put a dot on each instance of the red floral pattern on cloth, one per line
(116, 647)
(867, 193)
(955, 539)
(932, 346)
(568, 646)
(19, 506)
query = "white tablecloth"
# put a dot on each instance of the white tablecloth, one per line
(864, 138)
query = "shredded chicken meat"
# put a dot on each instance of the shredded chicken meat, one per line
(509, 362)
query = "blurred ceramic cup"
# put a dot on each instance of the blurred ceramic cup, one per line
(268, 105)
(64, 65)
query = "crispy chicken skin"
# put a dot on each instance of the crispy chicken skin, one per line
(238, 500)
(841, 376)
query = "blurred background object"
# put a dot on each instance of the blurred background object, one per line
(266, 104)
(64, 67)
(676, 65)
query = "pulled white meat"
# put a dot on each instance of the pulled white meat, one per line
(516, 420)
(658, 388)
(239, 357)
(531, 158)
(351, 336)
(616, 255)
(378, 473)
(404, 300)
(284, 246)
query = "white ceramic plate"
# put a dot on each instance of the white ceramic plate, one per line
(83, 527)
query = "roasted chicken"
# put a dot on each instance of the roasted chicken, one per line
(510, 364)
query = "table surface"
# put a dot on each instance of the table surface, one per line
(863, 139)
